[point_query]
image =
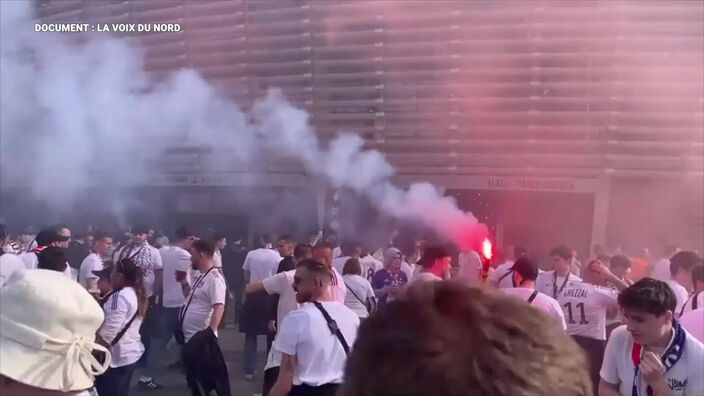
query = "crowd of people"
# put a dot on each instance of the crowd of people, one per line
(79, 315)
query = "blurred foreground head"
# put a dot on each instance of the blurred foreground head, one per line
(445, 338)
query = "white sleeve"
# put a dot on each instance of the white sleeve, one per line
(542, 284)
(496, 274)
(216, 289)
(288, 334)
(94, 265)
(157, 263)
(607, 298)
(559, 315)
(609, 367)
(682, 298)
(276, 284)
(247, 260)
(183, 261)
(115, 318)
(29, 260)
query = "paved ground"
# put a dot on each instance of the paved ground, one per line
(231, 342)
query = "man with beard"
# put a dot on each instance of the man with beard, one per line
(200, 319)
(279, 285)
(314, 340)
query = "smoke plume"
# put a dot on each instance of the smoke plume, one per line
(77, 114)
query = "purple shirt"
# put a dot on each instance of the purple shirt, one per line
(383, 278)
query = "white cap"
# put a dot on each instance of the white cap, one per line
(47, 332)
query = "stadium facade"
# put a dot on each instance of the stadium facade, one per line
(560, 114)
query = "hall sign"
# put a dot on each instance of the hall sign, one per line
(530, 184)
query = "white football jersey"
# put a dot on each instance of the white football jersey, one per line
(585, 306)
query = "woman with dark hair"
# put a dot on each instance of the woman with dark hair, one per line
(125, 308)
(360, 296)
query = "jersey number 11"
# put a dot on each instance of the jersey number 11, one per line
(582, 319)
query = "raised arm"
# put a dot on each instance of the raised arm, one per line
(255, 287)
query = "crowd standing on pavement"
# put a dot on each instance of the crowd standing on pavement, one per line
(93, 313)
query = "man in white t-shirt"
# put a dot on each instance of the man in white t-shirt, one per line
(315, 339)
(524, 272)
(470, 267)
(501, 277)
(369, 264)
(280, 284)
(147, 258)
(94, 261)
(177, 271)
(695, 301)
(348, 250)
(585, 304)
(220, 242)
(693, 322)
(681, 265)
(435, 265)
(661, 269)
(323, 254)
(11, 267)
(258, 265)
(652, 354)
(554, 282)
(205, 301)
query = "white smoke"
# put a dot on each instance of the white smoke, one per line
(76, 115)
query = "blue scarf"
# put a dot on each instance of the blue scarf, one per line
(669, 358)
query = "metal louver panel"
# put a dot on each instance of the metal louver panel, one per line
(577, 88)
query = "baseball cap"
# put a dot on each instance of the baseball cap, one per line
(47, 332)
(104, 273)
(526, 267)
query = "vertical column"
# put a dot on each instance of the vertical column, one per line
(601, 210)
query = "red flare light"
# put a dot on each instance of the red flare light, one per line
(486, 249)
(486, 259)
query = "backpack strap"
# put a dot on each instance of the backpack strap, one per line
(182, 312)
(509, 272)
(332, 325)
(353, 293)
(693, 299)
(532, 296)
(122, 331)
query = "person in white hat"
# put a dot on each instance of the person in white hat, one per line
(47, 336)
